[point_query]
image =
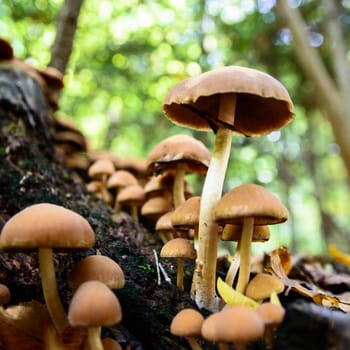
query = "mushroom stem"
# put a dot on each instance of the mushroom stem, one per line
(193, 343)
(134, 212)
(94, 336)
(232, 271)
(245, 248)
(179, 186)
(50, 291)
(203, 285)
(104, 189)
(180, 273)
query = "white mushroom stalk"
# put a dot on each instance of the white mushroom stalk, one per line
(203, 288)
(49, 286)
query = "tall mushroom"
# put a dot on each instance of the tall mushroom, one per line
(179, 154)
(45, 227)
(249, 205)
(227, 99)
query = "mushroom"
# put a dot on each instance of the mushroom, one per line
(179, 154)
(155, 207)
(186, 216)
(264, 286)
(230, 232)
(248, 205)
(179, 248)
(164, 227)
(94, 305)
(45, 227)
(234, 324)
(119, 180)
(5, 294)
(132, 196)
(272, 315)
(188, 323)
(227, 99)
(100, 170)
(99, 268)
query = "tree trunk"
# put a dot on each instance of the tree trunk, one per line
(332, 97)
(65, 31)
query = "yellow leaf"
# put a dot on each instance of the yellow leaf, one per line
(232, 297)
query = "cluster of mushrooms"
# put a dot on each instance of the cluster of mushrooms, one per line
(45, 228)
(227, 101)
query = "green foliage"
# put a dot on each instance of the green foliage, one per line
(126, 57)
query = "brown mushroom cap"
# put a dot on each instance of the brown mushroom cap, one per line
(270, 313)
(187, 323)
(178, 248)
(155, 207)
(47, 225)
(97, 267)
(263, 285)
(181, 148)
(5, 294)
(100, 168)
(131, 195)
(120, 179)
(186, 215)
(237, 324)
(263, 103)
(250, 200)
(93, 305)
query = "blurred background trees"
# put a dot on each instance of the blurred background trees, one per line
(126, 55)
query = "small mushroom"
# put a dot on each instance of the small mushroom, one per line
(248, 205)
(234, 324)
(272, 315)
(45, 227)
(179, 154)
(132, 196)
(264, 286)
(98, 268)
(93, 306)
(100, 170)
(179, 248)
(188, 323)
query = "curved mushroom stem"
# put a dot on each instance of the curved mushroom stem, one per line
(180, 273)
(179, 186)
(94, 336)
(232, 271)
(193, 343)
(245, 248)
(204, 278)
(49, 285)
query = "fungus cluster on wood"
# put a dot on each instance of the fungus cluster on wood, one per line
(47, 227)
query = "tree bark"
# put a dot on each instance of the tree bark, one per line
(331, 98)
(65, 31)
(30, 173)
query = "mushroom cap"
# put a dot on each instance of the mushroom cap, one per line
(270, 313)
(155, 207)
(101, 167)
(99, 268)
(187, 323)
(263, 285)
(164, 223)
(233, 233)
(94, 304)
(235, 324)
(180, 148)
(250, 200)
(47, 225)
(178, 248)
(186, 215)
(263, 103)
(131, 195)
(121, 178)
(5, 294)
